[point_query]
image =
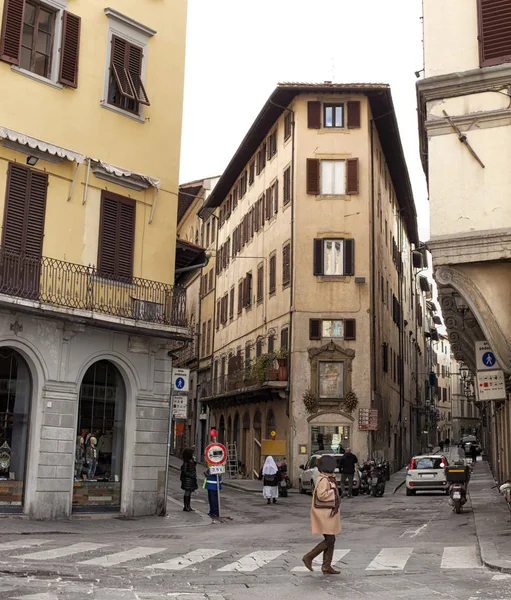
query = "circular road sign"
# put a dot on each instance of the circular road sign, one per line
(489, 359)
(215, 454)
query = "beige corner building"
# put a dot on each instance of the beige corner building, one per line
(318, 298)
(465, 124)
(90, 126)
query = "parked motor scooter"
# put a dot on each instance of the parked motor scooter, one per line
(505, 490)
(285, 482)
(377, 480)
(458, 476)
(365, 477)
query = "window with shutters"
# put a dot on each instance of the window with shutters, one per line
(286, 265)
(248, 290)
(42, 39)
(260, 283)
(261, 159)
(333, 115)
(273, 274)
(336, 258)
(203, 340)
(332, 328)
(287, 125)
(275, 196)
(385, 357)
(284, 338)
(116, 236)
(208, 338)
(241, 287)
(332, 177)
(272, 144)
(231, 303)
(259, 347)
(494, 26)
(287, 186)
(251, 172)
(126, 90)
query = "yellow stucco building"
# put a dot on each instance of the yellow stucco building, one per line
(90, 125)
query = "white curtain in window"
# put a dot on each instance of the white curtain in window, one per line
(333, 257)
(333, 174)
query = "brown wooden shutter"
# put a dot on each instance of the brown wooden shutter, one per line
(352, 176)
(134, 68)
(349, 257)
(14, 217)
(286, 264)
(70, 50)
(318, 257)
(203, 341)
(350, 329)
(218, 315)
(268, 203)
(494, 32)
(314, 329)
(12, 28)
(353, 114)
(312, 176)
(119, 61)
(116, 236)
(314, 115)
(276, 197)
(273, 274)
(284, 337)
(260, 282)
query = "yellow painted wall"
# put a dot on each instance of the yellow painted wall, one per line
(75, 119)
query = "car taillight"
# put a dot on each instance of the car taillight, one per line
(412, 464)
(411, 483)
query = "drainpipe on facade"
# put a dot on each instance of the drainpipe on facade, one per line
(373, 292)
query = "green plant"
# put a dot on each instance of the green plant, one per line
(261, 366)
(350, 401)
(282, 353)
(310, 401)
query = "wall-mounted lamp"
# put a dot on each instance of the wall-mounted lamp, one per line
(32, 161)
(418, 73)
(461, 307)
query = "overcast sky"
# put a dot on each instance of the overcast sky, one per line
(238, 50)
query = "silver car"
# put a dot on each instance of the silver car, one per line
(427, 472)
(309, 476)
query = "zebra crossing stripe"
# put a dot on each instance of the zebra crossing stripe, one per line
(253, 561)
(460, 557)
(338, 555)
(12, 545)
(187, 560)
(390, 559)
(61, 552)
(118, 558)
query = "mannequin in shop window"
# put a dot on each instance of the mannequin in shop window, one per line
(80, 453)
(91, 454)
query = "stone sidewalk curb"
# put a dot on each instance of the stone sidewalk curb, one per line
(491, 558)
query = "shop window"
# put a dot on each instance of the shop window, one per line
(330, 438)
(100, 438)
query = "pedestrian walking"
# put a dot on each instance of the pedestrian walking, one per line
(271, 477)
(447, 444)
(347, 464)
(188, 477)
(441, 445)
(325, 517)
(213, 485)
(473, 452)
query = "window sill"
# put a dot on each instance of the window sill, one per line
(329, 130)
(36, 77)
(333, 278)
(120, 111)
(320, 197)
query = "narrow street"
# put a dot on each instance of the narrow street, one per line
(391, 547)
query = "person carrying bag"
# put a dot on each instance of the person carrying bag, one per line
(325, 516)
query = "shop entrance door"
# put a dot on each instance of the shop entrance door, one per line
(15, 395)
(99, 440)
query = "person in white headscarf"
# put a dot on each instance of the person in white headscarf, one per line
(271, 477)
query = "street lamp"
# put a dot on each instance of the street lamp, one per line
(461, 307)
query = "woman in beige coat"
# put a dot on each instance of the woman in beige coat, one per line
(325, 521)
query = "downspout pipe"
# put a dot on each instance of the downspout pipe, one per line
(373, 286)
(193, 267)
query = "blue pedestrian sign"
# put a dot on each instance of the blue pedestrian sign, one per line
(489, 359)
(180, 379)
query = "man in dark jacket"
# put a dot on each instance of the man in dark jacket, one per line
(347, 468)
(188, 478)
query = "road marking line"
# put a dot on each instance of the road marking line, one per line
(390, 559)
(460, 557)
(122, 557)
(192, 558)
(60, 552)
(42, 596)
(23, 544)
(253, 561)
(338, 555)
(414, 532)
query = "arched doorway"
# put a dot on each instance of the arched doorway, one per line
(15, 395)
(221, 430)
(256, 426)
(99, 450)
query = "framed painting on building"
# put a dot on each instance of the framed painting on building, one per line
(331, 379)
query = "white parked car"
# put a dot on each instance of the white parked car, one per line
(427, 472)
(309, 476)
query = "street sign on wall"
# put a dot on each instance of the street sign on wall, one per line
(180, 407)
(485, 358)
(368, 419)
(491, 385)
(181, 379)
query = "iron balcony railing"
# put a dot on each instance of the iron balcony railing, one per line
(69, 285)
(239, 380)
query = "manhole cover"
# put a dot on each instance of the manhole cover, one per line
(148, 536)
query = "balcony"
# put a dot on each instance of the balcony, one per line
(56, 286)
(245, 383)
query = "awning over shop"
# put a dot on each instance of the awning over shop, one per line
(30, 145)
(131, 179)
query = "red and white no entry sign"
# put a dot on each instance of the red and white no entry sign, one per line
(215, 454)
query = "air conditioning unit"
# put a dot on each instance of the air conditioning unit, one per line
(145, 310)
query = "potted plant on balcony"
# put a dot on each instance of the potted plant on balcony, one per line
(282, 358)
(264, 370)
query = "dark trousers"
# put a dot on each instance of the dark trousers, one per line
(213, 503)
(329, 540)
